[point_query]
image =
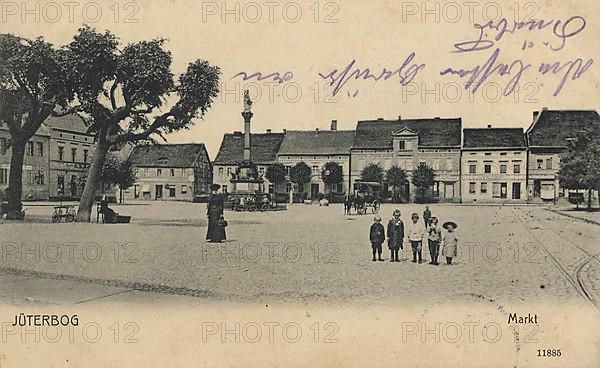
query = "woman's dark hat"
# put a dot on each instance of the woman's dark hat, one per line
(449, 223)
(215, 187)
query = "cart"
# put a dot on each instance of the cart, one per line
(366, 197)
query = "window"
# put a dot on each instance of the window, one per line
(315, 169)
(39, 179)
(288, 187)
(472, 187)
(183, 173)
(271, 188)
(549, 163)
(228, 171)
(472, 169)
(2, 146)
(172, 191)
(61, 153)
(540, 163)
(220, 172)
(146, 172)
(487, 169)
(516, 191)
(172, 171)
(301, 188)
(496, 190)
(484, 187)
(158, 172)
(85, 155)
(402, 145)
(3, 176)
(261, 171)
(502, 153)
(29, 150)
(73, 154)
(224, 189)
(488, 153)
(517, 168)
(184, 189)
(287, 170)
(502, 168)
(40, 149)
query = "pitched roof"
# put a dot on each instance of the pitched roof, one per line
(551, 128)
(166, 155)
(264, 148)
(436, 132)
(334, 142)
(72, 123)
(494, 138)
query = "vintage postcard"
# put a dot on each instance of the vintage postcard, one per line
(319, 183)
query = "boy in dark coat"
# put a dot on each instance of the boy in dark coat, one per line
(395, 234)
(377, 236)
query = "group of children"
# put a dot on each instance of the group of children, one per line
(416, 235)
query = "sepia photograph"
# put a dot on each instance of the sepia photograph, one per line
(335, 183)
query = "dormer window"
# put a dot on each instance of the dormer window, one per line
(402, 145)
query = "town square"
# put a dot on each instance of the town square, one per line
(299, 184)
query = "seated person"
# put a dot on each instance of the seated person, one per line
(110, 216)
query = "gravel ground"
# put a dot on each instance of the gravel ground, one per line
(304, 254)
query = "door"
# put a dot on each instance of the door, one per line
(158, 192)
(503, 189)
(314, 191)
(537, 188)
(60, 189)
(516, 191)
(73, 186)
(449, 190)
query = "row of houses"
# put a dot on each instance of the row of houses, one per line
(484, 164)
(56, 159)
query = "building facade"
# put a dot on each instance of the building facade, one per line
(36, 164)
(494, 165)
(264, 149)
(170, 172)
(547, 139)
(316, 148)
(71, 151)
(408, 142)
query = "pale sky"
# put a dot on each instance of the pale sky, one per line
(377, 34)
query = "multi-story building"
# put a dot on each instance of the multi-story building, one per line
(547, 139)
(36, 164)
(173, 172)
(316, 148)
(264, 149)
(408, 142)
(494, 165)
(71, 150)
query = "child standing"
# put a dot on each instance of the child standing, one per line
(415, 235)
(450, 241)
(395, 234)
(434, 239)
(377, 236)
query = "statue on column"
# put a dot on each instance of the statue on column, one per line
(247, 101)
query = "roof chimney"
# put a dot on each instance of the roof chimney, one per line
(284, 130)
(489, 126)
(317, 130)
(437, 118)
(268, 130)
(544, 108)
(535, 114)
(399, 117)
(379, 118)
(334, 125)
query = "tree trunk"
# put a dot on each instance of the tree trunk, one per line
(589, 198)
(15, 181)
(91, 183)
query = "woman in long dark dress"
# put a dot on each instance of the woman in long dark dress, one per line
(216, 228)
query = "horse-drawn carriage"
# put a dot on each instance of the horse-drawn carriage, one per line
(250, 202)
(366, 196)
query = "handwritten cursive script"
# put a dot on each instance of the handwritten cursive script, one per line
(275, 77)
(561, 30)
(406, 73)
